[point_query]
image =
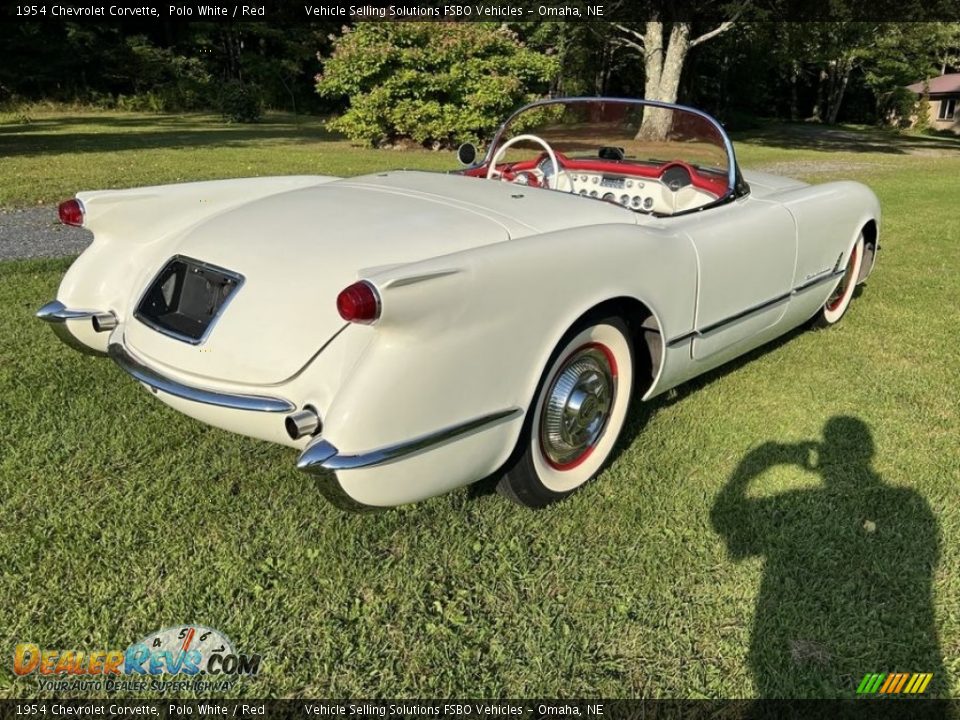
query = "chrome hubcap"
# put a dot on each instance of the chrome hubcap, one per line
(577, 406)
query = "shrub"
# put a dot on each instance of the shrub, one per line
(240, 102)
(922, 111)
(432, 83)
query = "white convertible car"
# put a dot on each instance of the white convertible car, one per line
(412, 332)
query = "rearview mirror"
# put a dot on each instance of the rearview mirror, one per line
(467, 153)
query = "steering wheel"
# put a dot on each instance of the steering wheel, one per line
(558, 172)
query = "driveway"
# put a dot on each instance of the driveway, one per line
(36, 232)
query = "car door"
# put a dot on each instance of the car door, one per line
(747, 253)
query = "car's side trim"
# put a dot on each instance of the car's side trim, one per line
(818, 279)
(156, 381)
(712, 327)
(766, 305)
(422, 277)
(322, 455)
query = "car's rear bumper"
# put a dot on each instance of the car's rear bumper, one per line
(392, 474)
(158, 381)
(348, 478)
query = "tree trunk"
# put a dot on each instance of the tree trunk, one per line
(839, 87)
(663, 69)
(794, 76)
(821, 98)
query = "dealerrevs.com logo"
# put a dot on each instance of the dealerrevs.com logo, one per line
(197, 658)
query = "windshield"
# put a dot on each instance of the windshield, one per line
(647, 157)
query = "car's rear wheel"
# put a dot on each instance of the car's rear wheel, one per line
(576, 416)
(836, 305)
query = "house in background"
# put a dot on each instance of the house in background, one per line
(944, 93)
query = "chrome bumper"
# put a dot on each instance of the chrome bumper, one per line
(58, 314)
(322, 455)
(155, 380)
(322, 458)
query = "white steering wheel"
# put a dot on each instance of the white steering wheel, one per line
(558, 172)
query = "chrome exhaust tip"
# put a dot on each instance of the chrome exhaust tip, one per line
(303, 423)
(104, 321)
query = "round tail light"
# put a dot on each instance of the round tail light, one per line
(71, 212)
(359, 303)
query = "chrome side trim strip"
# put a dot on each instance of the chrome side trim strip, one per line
(56, 312)
(423, 277)
(151, 378)
(321, 455)
(680, 339)
(833, 275)
(756, 308)
(744, 313)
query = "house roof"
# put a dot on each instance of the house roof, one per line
(945, 84)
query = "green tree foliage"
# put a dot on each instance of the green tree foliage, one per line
(138, 65)
(162, 79)
(822, 71)
(430, 82)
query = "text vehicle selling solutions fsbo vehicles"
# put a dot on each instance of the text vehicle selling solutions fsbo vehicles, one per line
(412, 332)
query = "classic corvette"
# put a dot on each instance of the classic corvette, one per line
(412, 332)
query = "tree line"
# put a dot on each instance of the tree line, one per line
(433, 82)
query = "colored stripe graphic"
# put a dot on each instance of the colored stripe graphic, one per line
(902, 680)
(913, 682)
(894, 683)
(891, 679)
(870, 683)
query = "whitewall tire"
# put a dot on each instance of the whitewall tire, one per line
(576, 416)
(838, 302)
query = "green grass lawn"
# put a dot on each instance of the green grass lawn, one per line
(53, 156)
(668, 576)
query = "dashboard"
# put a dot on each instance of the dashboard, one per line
(635, 194)
(673, 191)
(655, 187)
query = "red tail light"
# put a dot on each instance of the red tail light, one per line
(359, 303)
(71, 212)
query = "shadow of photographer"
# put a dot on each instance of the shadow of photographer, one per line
(846, 587)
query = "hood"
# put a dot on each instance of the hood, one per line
(297, 250)
(764, 184)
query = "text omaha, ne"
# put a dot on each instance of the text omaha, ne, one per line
(449, 11)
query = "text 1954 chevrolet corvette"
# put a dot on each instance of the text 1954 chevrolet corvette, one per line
(412, 332)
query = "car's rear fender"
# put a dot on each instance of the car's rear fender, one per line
(468, 334)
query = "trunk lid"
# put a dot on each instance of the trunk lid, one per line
(295, 251)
